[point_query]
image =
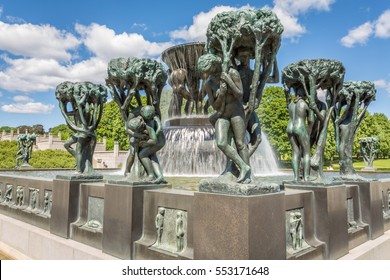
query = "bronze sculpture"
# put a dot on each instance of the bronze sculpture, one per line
(184, 78)
(347, 119)
(81, 105)
(230, 35)
(313, 77)
(142, 122)
(25, 146)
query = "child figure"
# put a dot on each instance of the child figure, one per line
(146, 139)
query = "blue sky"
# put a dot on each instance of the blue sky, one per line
(45, 42)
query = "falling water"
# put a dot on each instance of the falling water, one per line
(191, 150)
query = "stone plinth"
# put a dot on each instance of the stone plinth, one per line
(302, 200)
(330, 218)
(173, 201)
(370, 199)
(239, 227)
(88, 228)
(123, 216)
(65, 209)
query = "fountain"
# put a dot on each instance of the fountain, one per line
(191, 143)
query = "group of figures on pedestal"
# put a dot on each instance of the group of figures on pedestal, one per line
(185, 79)
(25, 147)
(320, 95)
(234, 90)
(368, 150)
(142, 120)
(81, 104)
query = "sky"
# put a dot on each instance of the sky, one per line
(46, 42)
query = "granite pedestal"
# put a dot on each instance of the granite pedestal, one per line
(123, 216)
(331, 223)
(239, 227)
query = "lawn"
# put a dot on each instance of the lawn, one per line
(379, 164)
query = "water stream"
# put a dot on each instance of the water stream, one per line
(191, 150)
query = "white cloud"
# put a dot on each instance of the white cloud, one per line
(106, 44)
(295, 7)
(292, 28)
(197, 30)
(34, 75)
(286, 10)
(383, 84)
(22, 99)
(37, 72)
(40, 41)
(28, 108)
(358, 35)
(289, 10)
(382, 25)
(142, 26)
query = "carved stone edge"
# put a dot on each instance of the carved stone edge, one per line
(221, 186)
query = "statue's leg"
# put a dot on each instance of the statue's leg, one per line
(296, 155)
(222, 127)
(130, 159)
(68, 146)
(143, 156)
(157, 170)
(304, 143)
(239, 131)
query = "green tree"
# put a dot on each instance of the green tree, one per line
(112, 127)
(382, 124)
(330, 151)
(6, 129)
(273, 115)
(38, 129)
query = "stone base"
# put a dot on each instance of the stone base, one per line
(352, 178)
(24, 241)
(227, 185)
(172, 201)
(123, 217)
(357, 236)
(239, 227)
(88, 229)
(26, 215)
(25, 166)
(371, 206)
(330, 216)
(66, 195)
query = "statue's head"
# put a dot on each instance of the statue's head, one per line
(148, 112)
(210, 64)
(64, 91)
(136, 124)
(243, 55)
